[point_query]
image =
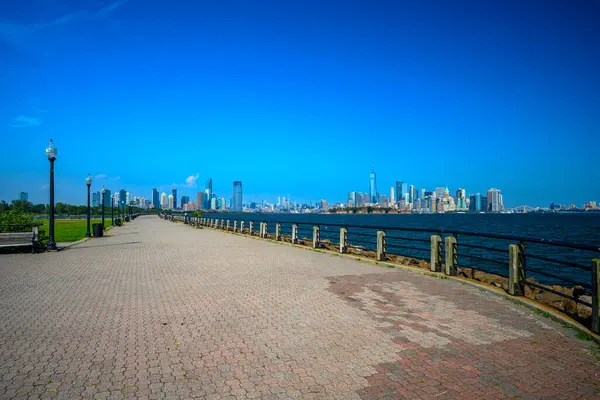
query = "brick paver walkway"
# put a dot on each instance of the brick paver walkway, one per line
(161, 310)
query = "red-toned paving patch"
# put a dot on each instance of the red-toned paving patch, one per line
(455, 342)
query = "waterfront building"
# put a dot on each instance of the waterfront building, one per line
(413, 194)
(422, 193)
(323, 204)
(236, 196)
(392, 195)
(107, 197)
(24, 196)
(399, 191)
(209, 192)
(383, 200)
(483, 205)
(201, 200)
(372, 187)
(171, 201)
(440, 193)
(360, 199)
(123, 196)
(184, 200)
(222, 205)
(163, 200)
(494, 200)
(155, 198)
(174, 193)
(417, 205)
(213, 203)
(351, 202)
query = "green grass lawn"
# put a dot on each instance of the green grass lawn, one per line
(71, 230)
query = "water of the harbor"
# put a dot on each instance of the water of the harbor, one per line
(580, 228)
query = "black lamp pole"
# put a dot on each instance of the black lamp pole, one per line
(112, 212)
(103, 191)
(51, 153)
(88, 182)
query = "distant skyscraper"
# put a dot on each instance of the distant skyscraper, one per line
(107, 197)
(213, 203)
(174, 193)
(483, 205)
(236, 196)
(201, 199)
(24, 196)
(122, 197)
(184, 200)
(351, 202)
(422, 194)
(413, 194)
(163, 201)
(494, 200)
(95, 200)
(392, 195)
(155, 198)
(383, 200)
(171, 201)
(399, 192)
(373, 187)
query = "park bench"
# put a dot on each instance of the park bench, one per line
(18, 239)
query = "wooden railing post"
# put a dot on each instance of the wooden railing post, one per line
(235, 225)
(222, 224)
(278, 232)
(250, 227)
(596, 295)
(241, 227)
(294, 233)
(381, 246)
(343, 240)
(435, 263)
(451, 255)
(316, 237)
(264, 230)
(516, 272)
(228, 225)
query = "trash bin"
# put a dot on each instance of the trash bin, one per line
(126, 219)
(117, 221)
(97, 229)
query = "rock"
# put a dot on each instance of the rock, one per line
(584, 311)
(569, 306)
(496, 284)
(578, 291)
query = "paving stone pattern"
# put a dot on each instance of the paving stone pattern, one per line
(161, 310)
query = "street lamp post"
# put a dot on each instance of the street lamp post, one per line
(103, 192)
(51, 152)
(88, 182)
(112, 212)
(123, 212)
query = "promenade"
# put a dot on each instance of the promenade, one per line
(160, 310)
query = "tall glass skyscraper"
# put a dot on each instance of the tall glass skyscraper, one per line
(399, 192)
(208, 191)
(236, 196)
(373, 187)
(155, 198)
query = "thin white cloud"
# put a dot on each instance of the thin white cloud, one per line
(101, 176)
(45, 187)
(23, 121)
(11, 30)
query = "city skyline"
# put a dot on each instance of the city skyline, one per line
(499, 95)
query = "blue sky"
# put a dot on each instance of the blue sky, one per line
(302, 97)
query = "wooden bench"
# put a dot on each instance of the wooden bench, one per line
(18, 239)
